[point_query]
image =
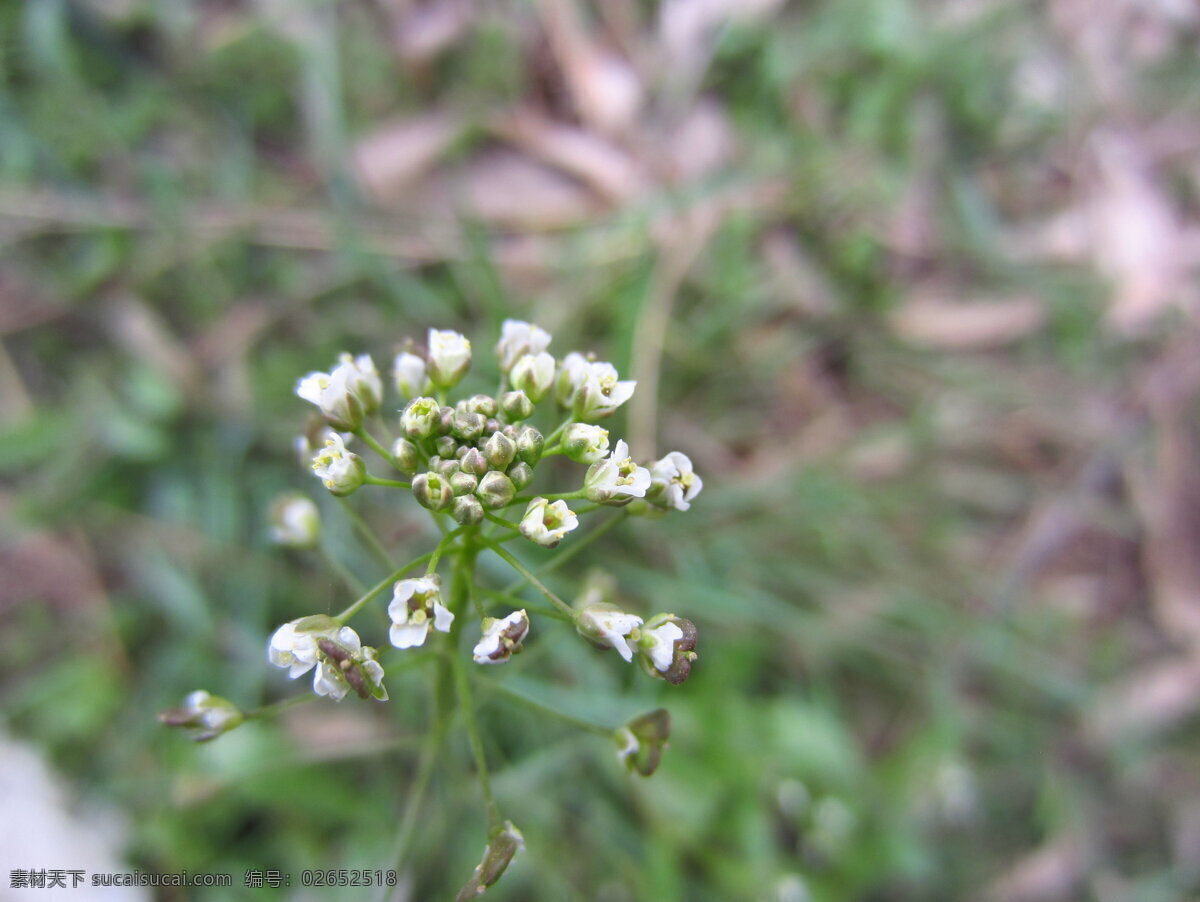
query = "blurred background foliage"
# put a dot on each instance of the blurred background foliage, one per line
(911, 281)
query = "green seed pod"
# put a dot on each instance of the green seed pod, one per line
(495, 490)
(499, 450)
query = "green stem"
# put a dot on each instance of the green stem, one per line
(379, 587)
(416, 795)
(553, 436)
(393, 483)
(374, 445)
(500, 689)
(436, 555)
(460, 590)
(278, 707)
(500, 520)
(562, 557)
(368, 535)
(528, 574)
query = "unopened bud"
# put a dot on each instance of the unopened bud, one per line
(446, 446)
(432, 491)
(467, 510)
(516, 405)
(533, 374)
(203, 716)
(530, 443)
(449, 357)
(474, 462)
(503, 843)
(584, 443)
(495, 490)
(405, 456)
(467, 425)
(463, 483)
(481, 404)
(521, 474)
(447, 466)
(499, 451)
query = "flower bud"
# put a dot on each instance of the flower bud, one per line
(534, 375)
(492, 425)
(408, 372)
(204, 716)
(467, 510)
(516, 405)
(295, 521)
(584, 443)
(474, 462)
(501, 638)
(405, 456)
(447, 467)
(421, 418)
(640, 742)
(484, 405)
(499, 450)
(449, 357)
(342, 471)
(530, 443)
(518, 338)
(467, 425)
(521, 474)
(432, 491)
(503, 843)
(666, 645)
(495, 490)
(463, 483)
(545, 523)
(446, 446)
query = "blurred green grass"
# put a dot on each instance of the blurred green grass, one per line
(880, 706)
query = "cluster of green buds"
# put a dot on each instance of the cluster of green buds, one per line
(473, 463)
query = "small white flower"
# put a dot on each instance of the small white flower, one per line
(675, 484)
(328, 680)
(584, 443)
(416, 605)
(449, 357)
(602, 392)
(572, 373)
(342, 471)
(346, 394)
(616, 476)
(294, 649)
(501, 638)
(518, 338)
(534, 375)
(546, 523)
(409, 374)
(203, 716)
(658, 644)
(609, 627)
(295, 522)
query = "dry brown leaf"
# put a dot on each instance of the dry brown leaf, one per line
(940, 322)
(423, 30)
(1054, 872)
(598, 162)
(1147, 702)
(397, 153)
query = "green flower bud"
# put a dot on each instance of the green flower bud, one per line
(481, 404)
(492, 425)
(503, 843)
(406, 456)
(446, 446)
(521, 474)
(533, 374)
(640, 742)
(421, 418)
(467, 425)
(516, 405)
(467, 510)
(585, 444)
(529, 445)
(474, 462)
(463, 483)
(432, 491)
(203, 716)
(447, 467)
(499, 451)
(495, 490)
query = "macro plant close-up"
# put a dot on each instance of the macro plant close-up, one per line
(623, 451)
